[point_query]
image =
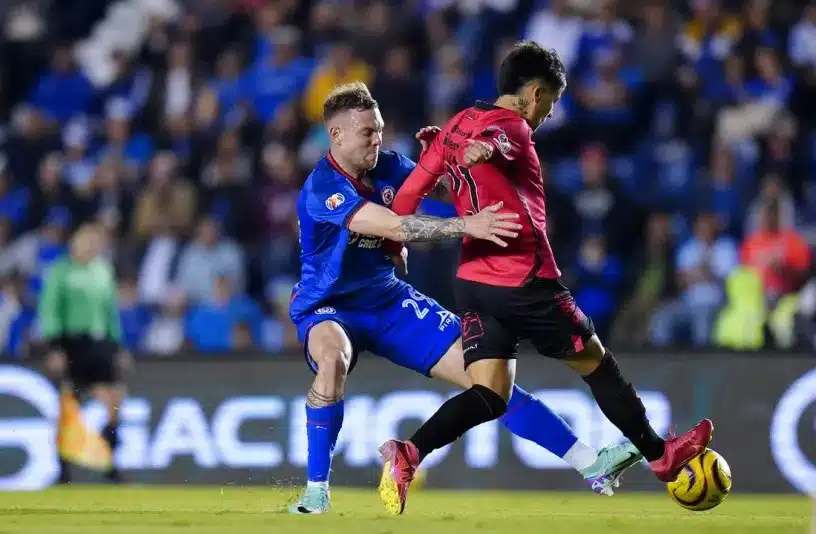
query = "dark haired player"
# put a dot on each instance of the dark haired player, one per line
(513, 293)
(349, 300)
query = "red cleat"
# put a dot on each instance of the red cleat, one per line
(681, 449)
(401, 460)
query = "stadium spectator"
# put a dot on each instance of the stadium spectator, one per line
(802, 53)
(654, 284)
(341, 66)
(598, 274)
(216, 324)
(225, 178)
(400, 93)
(168, 204)
(276, 205)
(721, 193)
(280, 78)
(165, 333)
(766, 96)
(32, 253)
(772, 189)
(228, 86)
(78, 168)
(449, 89)
(121, 141)
(14, 201)
(779, 253)
(133, 315)
(64, 92)
(207, 258)
(600, 204)
(555, 25)
(703, 264)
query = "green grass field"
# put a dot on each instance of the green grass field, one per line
(163, 510)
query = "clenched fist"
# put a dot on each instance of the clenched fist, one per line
(478, 152)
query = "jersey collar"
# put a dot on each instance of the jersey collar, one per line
(358, 185)
(485, 106)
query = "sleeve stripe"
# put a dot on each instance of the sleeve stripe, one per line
(429, 172)
(350, 215)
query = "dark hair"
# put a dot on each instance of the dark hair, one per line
(528, 61)
(348, 96)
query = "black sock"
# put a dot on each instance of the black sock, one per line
(111, 434)
(65, 471)
(620, 404)
(459, 414)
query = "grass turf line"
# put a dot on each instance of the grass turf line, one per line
(213, 510)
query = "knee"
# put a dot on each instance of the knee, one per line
(497, 403)
(585, 362)
(497, 376)
(593, 349)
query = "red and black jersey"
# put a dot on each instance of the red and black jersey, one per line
(512, 175)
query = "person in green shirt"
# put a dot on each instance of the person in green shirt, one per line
(79, 319)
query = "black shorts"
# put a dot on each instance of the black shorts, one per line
(90, 361)
(496, 318)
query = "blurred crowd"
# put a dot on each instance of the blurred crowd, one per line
(679, 164)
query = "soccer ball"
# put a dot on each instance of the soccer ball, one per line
(703, 483)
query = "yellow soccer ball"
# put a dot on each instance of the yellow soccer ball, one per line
(703, 483)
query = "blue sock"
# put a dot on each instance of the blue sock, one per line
(529, 418)
(322, 428)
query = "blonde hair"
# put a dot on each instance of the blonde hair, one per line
(353, 95)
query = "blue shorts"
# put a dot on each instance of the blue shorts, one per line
(409, 329)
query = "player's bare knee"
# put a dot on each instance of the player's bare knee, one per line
(593, 350)
(496, 375)
(586, 361)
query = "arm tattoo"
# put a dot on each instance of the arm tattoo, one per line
(318, 400)
(427, 228)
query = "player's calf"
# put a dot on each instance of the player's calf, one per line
(616, 397)
(484, 401)
(330, 352)
(474, 406)
(621, 404)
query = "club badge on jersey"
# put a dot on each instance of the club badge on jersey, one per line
(387, 194)
(500, 138)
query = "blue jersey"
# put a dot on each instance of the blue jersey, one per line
(340, 267)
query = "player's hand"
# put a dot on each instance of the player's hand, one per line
(490, 225)
(400, 260)
(478, 152)
(426, 136)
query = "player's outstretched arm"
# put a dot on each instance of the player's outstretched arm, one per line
(488, 224)
(418, 184)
